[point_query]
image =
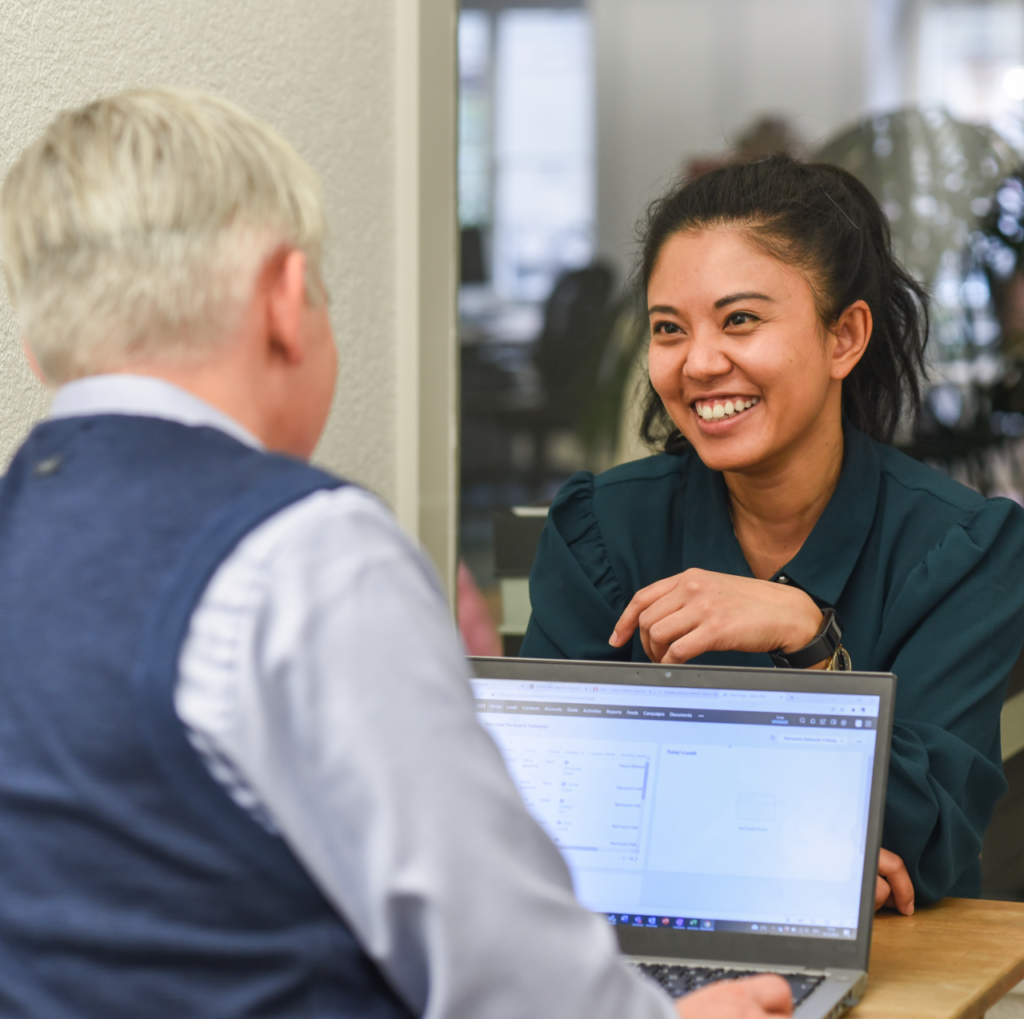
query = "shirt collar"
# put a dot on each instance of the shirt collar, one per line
(824, 563)
(144, 396)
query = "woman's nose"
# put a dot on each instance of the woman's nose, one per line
(705, 359)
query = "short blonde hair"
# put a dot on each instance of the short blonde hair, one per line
(133, 229)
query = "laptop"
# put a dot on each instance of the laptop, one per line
(725, 821)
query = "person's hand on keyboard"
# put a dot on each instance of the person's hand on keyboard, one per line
(751, 998)
(893, 887)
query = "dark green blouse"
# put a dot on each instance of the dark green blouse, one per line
(924, 573)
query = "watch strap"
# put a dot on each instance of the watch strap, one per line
(822, 647)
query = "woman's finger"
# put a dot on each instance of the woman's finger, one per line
(892, 868)
(882, 892)
(680, 651)
(669, 623)
(661, 623)
(654, 611)
(629, 619)
(645, 640)
(666, 621)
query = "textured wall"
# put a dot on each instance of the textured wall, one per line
(322, 73)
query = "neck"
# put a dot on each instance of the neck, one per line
(775, 507)
(229, 375)
(213, 383)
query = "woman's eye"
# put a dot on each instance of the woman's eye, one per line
(740, 318)
(665, 328)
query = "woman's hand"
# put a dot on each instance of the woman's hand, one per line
(893, 888)
(753, 998)
(683, 616)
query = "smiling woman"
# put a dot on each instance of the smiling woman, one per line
(778, 525)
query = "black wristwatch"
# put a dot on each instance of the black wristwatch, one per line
(826, 642)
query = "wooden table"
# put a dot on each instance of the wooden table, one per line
(952, 960)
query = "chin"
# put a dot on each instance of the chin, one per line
(735, 453)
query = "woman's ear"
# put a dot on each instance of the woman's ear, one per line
(850, 337)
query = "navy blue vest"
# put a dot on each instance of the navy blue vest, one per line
(130, 882)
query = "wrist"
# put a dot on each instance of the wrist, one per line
(804, 620)
(826, 646)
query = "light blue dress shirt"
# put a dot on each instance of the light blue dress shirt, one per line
(323, 684)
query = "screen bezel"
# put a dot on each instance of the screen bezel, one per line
(721, 945)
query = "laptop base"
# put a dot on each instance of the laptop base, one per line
(837, 992)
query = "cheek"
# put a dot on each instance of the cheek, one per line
(323, 375)
(332, 360)
(807, 364)
(795, 381)
(327, 350)
(663, 366)
(787, 362)
(329, 376)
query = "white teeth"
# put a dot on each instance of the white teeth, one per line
(726, 410)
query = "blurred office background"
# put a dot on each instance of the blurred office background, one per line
(574, 115)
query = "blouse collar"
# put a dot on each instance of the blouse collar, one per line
(824, 563)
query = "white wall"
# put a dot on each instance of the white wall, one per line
(681, 78)
(329, 77)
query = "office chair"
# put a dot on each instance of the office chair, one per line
(539, 389)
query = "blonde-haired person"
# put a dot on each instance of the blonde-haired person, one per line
(133, 228)
(218, 795)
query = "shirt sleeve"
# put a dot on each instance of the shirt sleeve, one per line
(333, 682)
(952, 631)
(575, 597)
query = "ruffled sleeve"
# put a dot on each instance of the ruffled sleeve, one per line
(574, 593)
(952, 631)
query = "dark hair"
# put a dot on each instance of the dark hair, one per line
(824, 222)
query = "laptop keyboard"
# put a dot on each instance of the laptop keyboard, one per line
(680, 980)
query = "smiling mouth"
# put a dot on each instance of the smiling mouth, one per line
(718, 410)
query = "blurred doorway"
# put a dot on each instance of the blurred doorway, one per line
(531, 299)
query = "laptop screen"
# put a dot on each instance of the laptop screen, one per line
(697, 809)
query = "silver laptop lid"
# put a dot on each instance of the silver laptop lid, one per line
(708, 812)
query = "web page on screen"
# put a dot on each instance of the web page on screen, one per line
(693, 808)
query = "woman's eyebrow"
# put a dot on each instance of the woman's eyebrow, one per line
(745, 296)
(662, 309)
